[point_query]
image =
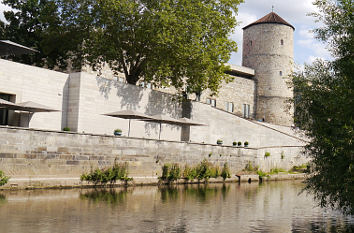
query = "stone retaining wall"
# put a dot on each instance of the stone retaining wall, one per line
(56, 158)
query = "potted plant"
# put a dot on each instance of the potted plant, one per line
(239, 143)
(66, 129)
(245, 144)
(118, 132)
(219, 142)
(234, 143)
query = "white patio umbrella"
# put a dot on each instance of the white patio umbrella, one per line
(130, 115)
(32, 107)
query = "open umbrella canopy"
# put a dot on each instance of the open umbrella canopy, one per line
(11, 48)
(30, 106)
(165, 119)
(7, 104)
(129, 114)
(187, 121)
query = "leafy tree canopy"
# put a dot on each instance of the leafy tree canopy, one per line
(177, 43)
(324, 108)
(39, 24)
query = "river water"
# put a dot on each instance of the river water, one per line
(269, 207)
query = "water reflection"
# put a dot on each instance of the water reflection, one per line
(110, 196)
(270, 207)
(2, 198)
(200, 192)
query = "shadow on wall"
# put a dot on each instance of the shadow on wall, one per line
(162, 103)
(65, 104)
(132, 97)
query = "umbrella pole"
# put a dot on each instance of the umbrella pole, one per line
(160, 132)
(129, 128)
(29, 119)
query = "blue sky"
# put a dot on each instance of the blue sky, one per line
(306, 48)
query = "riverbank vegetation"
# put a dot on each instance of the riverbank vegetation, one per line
(201, 172)
(3, 179)
(102, 176)
(252, 169)
(324, 108)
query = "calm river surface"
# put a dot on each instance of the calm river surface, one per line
(270, 207)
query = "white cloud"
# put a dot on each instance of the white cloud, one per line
(293, 11)
(2, 9)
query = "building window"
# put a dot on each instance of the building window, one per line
(280, 73)
(229, 107)
(212, 102)
(250, 43)
(246, 110)
(282, 42)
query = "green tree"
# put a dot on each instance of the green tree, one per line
(41, 24)
(324, 109)
(178, 43)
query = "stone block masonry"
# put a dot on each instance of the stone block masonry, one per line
(38, 157)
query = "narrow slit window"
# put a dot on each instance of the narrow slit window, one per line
(282, 42)
(280, 73)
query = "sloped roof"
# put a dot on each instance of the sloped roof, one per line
(270, 18)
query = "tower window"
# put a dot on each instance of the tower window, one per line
(250, 43)
(282, 42)
(281, 73)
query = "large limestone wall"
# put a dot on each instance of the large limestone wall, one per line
(229, 127)
(43, 86)
(264, 52)
(36, 156)
(90, 97)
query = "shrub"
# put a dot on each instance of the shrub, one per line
(262, 174)
(276, 170)
(66, 129)
(174, 173)
(225, 173)
(170, 172)
(119, 171)
(215, 171)
(245, 143)
(234, 143)
(267, 154)
(189, 173)
(118, 131)
(302, 168)
(3, 179)
(239, 143)
(203, 170)
(250, 168)
(219, 142)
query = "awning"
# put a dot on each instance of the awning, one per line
(11, 48)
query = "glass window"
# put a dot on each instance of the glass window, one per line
(281, 73)
(282, 42)
(229, 106)
(213, 103)
(246, 110)
(208, 101)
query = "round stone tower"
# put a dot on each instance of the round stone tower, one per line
(268, 49)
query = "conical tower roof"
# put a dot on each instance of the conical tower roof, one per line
(270, 18)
